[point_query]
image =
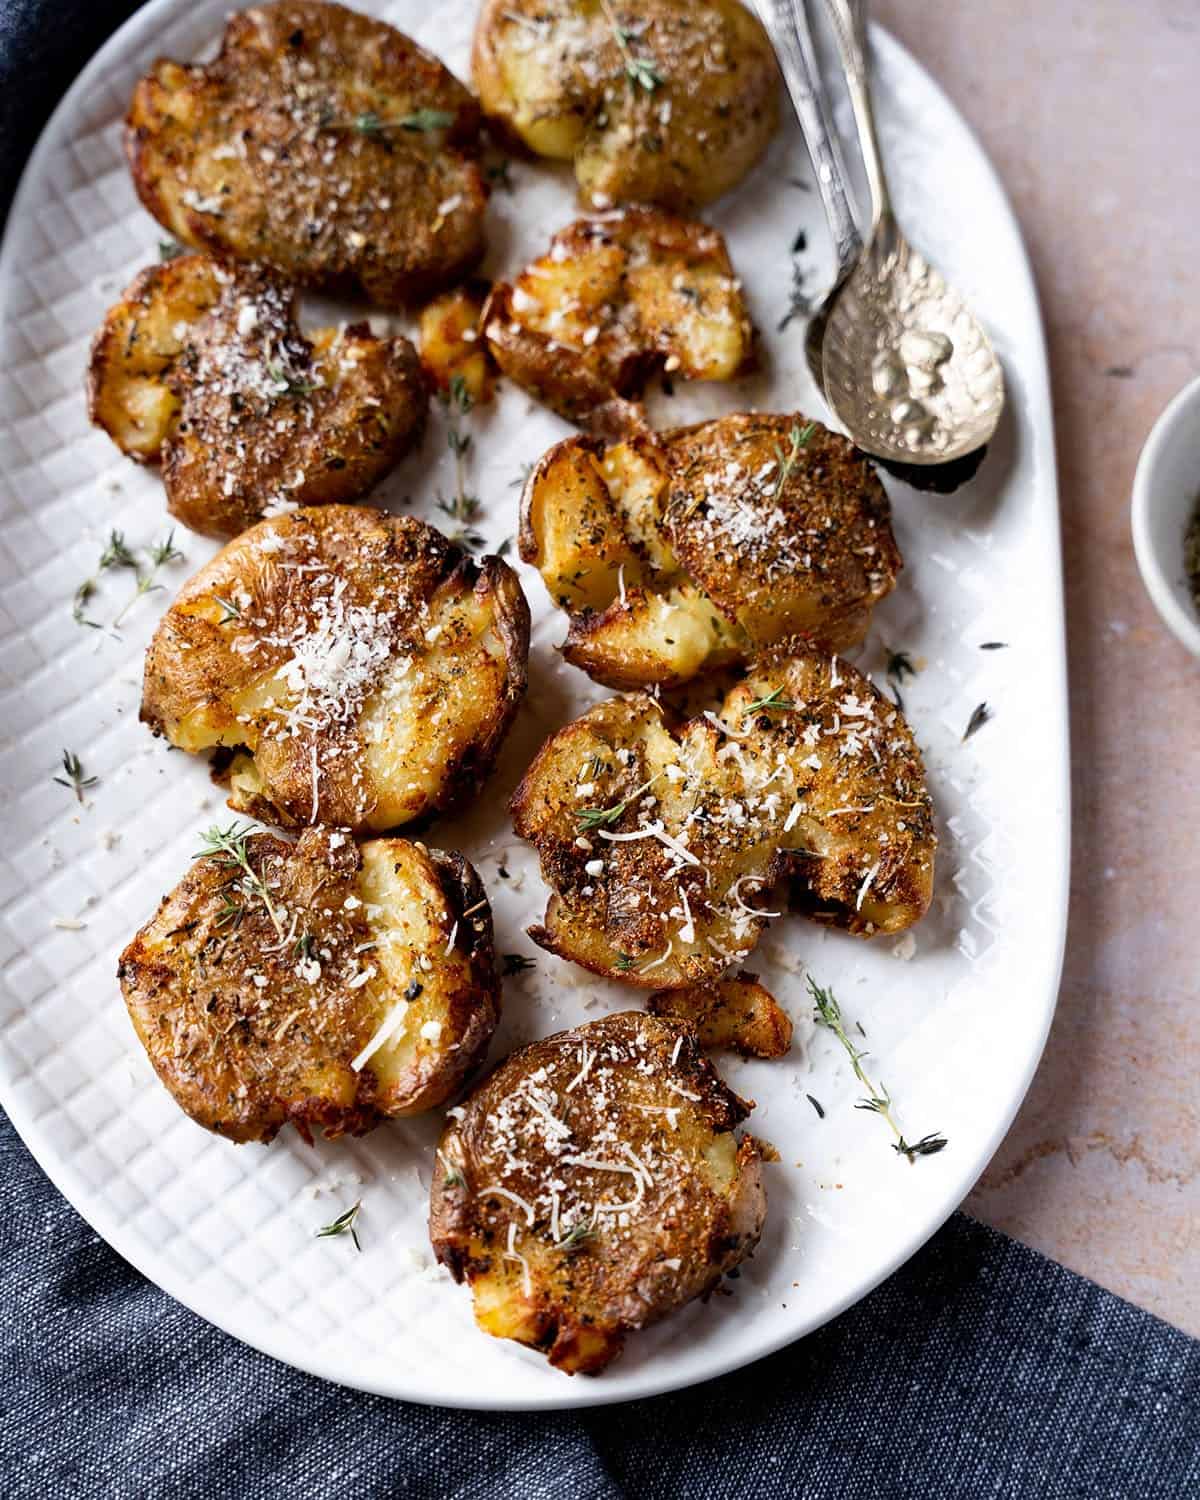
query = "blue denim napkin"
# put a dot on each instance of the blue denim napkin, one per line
(980, 1369)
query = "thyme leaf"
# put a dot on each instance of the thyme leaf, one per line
(828, 1013)
(75, 781)
(975, 723)
(799, 437)
(516, 963)
(230, 848)
(640, 70)
(343, 1224)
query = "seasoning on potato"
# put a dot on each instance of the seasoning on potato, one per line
(355, 668)
(324, 984)
(663, 101)
(679, 553)
(594, 1184)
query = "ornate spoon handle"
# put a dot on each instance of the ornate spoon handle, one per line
(786, 23)
(849, 20)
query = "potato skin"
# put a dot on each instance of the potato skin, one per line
(249, 1031)
(736, 1012)
(286, 149)
(694, 1205)
(364, 668)
(207, 372)
(616, 299)
(718, 552)
(552, 78)
(844, 834)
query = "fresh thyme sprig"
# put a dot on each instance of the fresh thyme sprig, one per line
(828, 1013)
(516, 963)
(799, 302)
(161, 553)
(230, 611)
(799, 438)
(75, 781)
(773, 703)
(289, 384)
(522, 478)
(230, 847)
(600, 817)
(642, 72)
(421, 121)
(978, 719)
(576, 1238)
(343, 1224)
(457, 403)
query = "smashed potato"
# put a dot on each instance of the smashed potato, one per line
(615, 300)
(738, 1013)
(452, 346)
(320, 142)
(359, 669)
(677, 554)
(592, 1185)
(666, 101)
(666, 847)
(322, 983)
(207, 373)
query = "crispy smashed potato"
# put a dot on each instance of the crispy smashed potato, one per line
(738, 1013)
(452, 345)
(615, 300)
(207, 373)
(322, 983)
(361, 670)
(664, 101)
(677, 554)
(592, 1185)
(320, 142)
(668, 848)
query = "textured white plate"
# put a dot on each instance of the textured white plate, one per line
(955, 1031)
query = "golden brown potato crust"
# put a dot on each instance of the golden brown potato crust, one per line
(592, 1185)
(677, 554)
(320, 984)
(369, 669)
(320, 142)
(615, 300)
(738, 1013)
(452, 342)
(665, 847)
(676, 116)
(207, 372)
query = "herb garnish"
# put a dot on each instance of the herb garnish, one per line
(993, 646)
(576, 1238)
(828, 1013)
(899, 666)
(642, 72)
(343, 1224)
(230, 847)
(289, 384)
(977, 720)
(600, 817)
(422, 120)
(457, 403)
(624, 963)
(799, 302)
(161, 553)
(75, 781)
(230, 611)
(169, 250)
(522, 478)
(799, 437)
(817, 1105)
(773, 703)
(516, 963)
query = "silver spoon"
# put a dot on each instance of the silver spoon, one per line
(907, 370)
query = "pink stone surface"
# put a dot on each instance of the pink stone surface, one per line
(1091, 113)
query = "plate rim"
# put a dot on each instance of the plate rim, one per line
(572, 1395)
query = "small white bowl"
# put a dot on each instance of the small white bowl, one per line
(1166, 489)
